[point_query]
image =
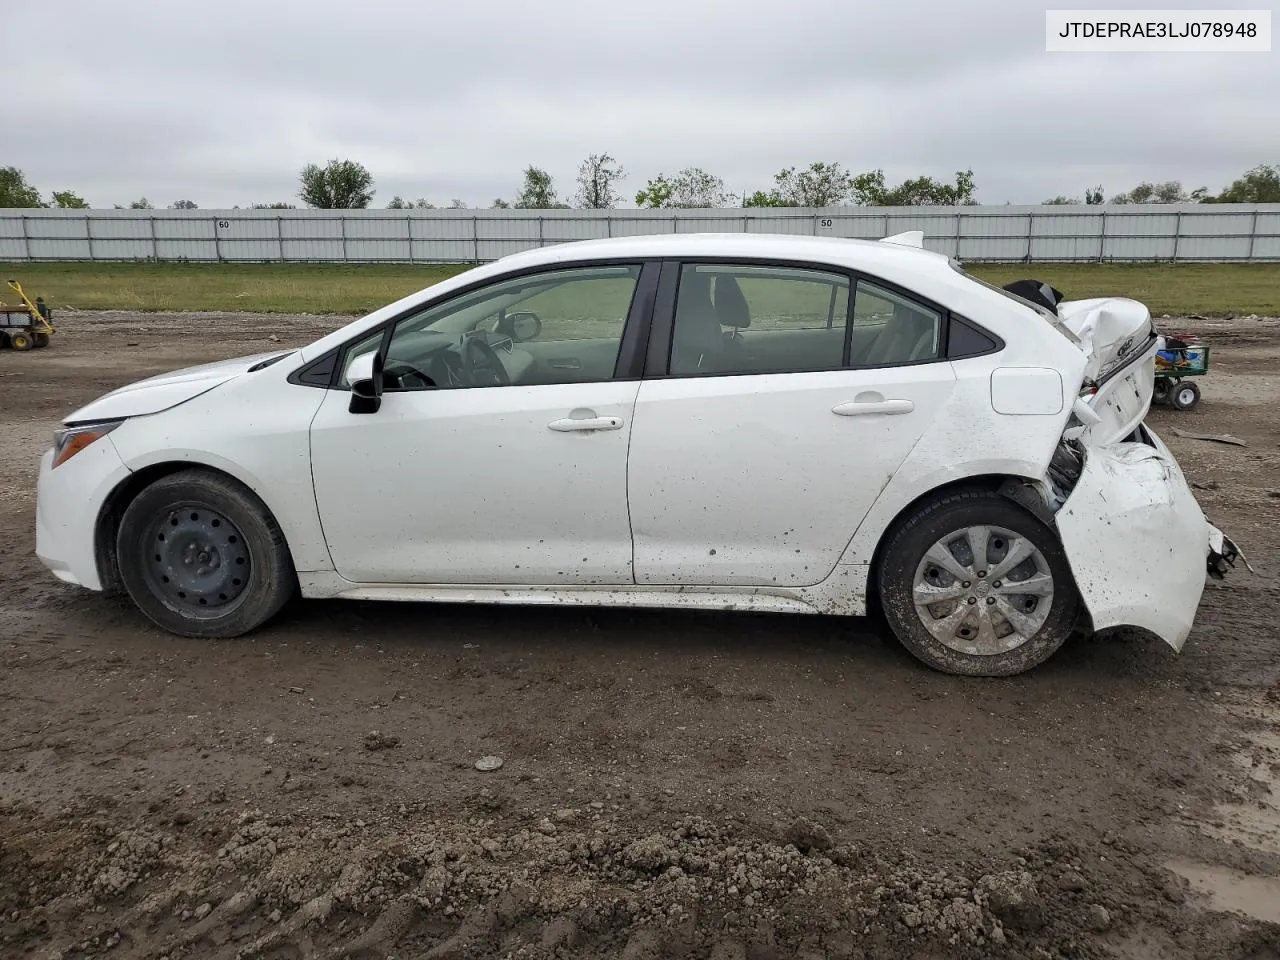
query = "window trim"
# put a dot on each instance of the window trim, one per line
(658, 361)
(631, 347)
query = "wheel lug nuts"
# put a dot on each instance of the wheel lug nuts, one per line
(981, 574)
(973, 600)
(995, 583)
(965, 584)
(991, 600)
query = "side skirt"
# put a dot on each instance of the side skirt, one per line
(835, 595)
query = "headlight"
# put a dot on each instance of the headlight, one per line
(69, 441)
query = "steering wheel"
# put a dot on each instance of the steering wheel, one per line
(481, 366)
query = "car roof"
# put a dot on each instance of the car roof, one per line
(838, 251)
(923, 273)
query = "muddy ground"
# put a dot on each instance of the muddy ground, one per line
(674, 783)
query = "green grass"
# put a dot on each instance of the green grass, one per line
(1208, 289)
(247, 287)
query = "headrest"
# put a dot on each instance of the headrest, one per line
(731, 305)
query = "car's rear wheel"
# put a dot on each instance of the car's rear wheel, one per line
(202, 556)
(973, 584)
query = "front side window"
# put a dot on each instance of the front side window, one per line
(733, 319)
(561, 326)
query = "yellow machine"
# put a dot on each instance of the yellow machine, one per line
(25, 325)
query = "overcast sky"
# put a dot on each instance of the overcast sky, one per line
(223, 101)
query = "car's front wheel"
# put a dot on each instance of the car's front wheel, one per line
(202, 556)
(973, 584)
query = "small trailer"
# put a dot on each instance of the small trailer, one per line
(1181, 355)
(26, 325)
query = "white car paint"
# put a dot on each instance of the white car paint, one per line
(1123, 528)
(760, 480)
(163, 391)
(70, 499)
(477, 490)
(254, 428)
(754, 468)
(1027, 391)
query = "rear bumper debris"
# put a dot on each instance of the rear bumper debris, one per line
(1138, 542)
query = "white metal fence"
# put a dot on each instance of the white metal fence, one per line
(1153, 232)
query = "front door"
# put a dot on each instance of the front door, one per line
(499, 452)
(784, 415)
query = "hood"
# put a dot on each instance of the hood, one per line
(166, 390)
(1119, 342)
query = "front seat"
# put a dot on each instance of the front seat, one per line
(697, 342)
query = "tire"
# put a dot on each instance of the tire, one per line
(41, 339)
(1184, 396)
(986, 650)
(202, 556)
(1160, 391)
(20, 340)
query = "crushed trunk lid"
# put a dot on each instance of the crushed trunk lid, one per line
(1119, 342)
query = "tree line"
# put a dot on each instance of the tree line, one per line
(348, 184)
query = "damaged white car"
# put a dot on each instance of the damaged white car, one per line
(727, 422)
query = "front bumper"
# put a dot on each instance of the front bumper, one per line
(1137, 540)
(68, 502)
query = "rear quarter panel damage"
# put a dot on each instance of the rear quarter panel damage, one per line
(1136, 540)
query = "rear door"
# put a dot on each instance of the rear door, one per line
(778, 408)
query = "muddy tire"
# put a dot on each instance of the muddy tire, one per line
(202, 556)
(20, 340)
(41, 339)
(973, 584)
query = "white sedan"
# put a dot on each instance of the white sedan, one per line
(729, 422)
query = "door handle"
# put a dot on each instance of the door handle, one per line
(859, 408)
(575, 424)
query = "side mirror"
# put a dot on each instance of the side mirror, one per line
(365, 377)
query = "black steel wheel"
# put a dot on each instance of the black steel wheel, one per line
(202, 556)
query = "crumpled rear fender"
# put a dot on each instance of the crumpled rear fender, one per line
(1136, 539)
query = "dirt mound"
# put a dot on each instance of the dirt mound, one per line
(575, 883)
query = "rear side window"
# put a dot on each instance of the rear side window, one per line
(890, 329)
(738, 319)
